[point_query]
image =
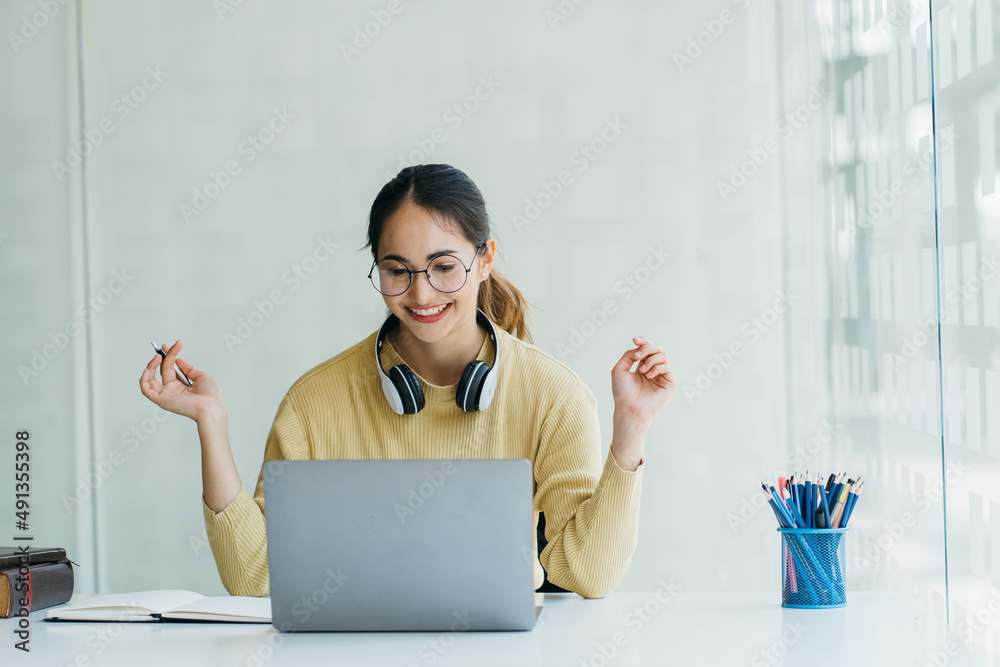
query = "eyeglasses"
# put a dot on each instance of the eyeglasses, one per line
(391, 277)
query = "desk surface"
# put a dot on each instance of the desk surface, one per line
(621, 629)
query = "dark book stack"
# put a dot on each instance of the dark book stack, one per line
(33, 579)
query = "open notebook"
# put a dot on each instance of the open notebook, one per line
(165, 605)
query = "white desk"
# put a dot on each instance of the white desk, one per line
(884, 629)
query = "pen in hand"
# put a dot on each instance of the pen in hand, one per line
(180, 373)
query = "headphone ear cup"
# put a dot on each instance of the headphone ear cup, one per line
(487, 388)
(408, 386)
(476, 388)
(470, 386)
(461, 391)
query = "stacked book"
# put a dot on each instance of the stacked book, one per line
(33, 579)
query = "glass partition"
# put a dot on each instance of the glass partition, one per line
(893, 223)
(966, 98)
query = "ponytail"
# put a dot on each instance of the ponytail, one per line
(505, 305)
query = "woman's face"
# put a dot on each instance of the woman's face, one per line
(413, 237)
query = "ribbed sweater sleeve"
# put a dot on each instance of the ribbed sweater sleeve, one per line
(236, 534)
(591, 513)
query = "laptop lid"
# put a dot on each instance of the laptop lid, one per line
(383, 545)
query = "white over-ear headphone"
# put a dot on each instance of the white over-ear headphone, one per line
(474, 391)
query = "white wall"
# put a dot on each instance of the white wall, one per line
(685, 128)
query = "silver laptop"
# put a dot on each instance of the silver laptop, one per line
(386, 545)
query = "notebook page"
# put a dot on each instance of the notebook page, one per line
(236, 606)
(150, 601)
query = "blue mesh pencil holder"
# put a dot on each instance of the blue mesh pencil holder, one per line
(812, 567)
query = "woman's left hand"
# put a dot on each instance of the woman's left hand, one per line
(642, 394)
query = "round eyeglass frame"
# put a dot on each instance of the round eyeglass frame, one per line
(410, 272)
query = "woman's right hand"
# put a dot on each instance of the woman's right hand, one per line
(203, 398)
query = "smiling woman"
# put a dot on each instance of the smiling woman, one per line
(452, 319)
(435, 215)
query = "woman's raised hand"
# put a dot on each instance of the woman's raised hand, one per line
(203, 398)
(642, 394)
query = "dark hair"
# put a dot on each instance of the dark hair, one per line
(450, 194)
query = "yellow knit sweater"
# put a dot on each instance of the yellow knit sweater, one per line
(542, 411)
